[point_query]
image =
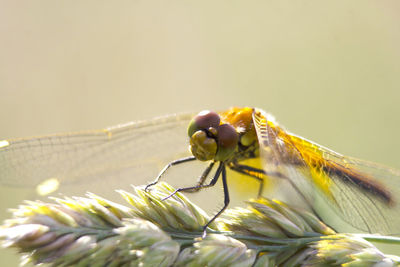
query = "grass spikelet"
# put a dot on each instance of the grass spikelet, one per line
(149, 231)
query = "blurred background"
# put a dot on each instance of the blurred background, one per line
(328, 71)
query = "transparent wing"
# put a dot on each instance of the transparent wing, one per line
(347, 193)
(113, 156)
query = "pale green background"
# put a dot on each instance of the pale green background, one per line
(328, 71)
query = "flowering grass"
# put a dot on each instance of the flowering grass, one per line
(93, 231)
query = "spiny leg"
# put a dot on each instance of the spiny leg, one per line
(221, 169)
(261, 171)
(200, 184)
(201, 180)
(172, 163)
(226, 197)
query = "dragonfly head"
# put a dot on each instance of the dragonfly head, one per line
(210, 140)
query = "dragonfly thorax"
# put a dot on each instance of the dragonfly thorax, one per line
(210, 140)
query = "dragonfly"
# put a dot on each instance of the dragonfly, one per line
(362, 194)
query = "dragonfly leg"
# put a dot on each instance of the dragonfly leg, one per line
(200, 184)
(226, 198)
(201, 180)
(172, 163)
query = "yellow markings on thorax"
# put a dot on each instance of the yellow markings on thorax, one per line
(242, 120)
(246, 186)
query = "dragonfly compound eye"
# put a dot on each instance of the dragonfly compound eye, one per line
(202, 121)
(227, 141)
